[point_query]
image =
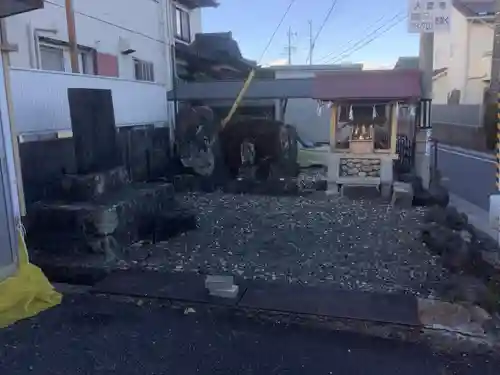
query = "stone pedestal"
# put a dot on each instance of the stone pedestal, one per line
(99, 211)
(375, 169)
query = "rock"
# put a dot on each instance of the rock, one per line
(460, 288)
(457, 256)
(435, 214)
(402, 194)
(421, 198)
(436, 237)
(455, 220)
(366, 162)
(440, 195)
(362, 174)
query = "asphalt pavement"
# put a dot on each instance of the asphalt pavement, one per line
(96, 335)
(468, 174)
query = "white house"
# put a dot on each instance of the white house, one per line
(462, 57)
(125, 46)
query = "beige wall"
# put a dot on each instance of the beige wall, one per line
(464, 51)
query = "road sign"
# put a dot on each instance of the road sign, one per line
(429, 16)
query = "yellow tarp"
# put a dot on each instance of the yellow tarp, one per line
(27, 293)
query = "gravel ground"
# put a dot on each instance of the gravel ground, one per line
(89, 335)
(365, 245)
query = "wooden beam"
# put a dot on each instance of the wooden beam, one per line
(73, 46)
(394, 126)
(333, 126)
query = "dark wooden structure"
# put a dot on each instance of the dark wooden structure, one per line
(12, 7)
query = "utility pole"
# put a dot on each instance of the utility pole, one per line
(494, 101)
(311, 42)
(495, 56)
(290, 48)
(73, 47)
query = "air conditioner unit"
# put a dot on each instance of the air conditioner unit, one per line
(124, 46)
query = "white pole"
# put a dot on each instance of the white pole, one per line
(426, 56)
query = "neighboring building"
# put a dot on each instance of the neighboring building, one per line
(126, 46)
(10, 212)
(462, 57)
(407, 62)
(312, 122)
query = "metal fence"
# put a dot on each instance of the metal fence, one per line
(405, 149)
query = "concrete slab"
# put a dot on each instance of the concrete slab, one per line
(187, 287)
(330, 302)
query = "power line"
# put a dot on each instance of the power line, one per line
(108, 22)
(276, 30)
(348, 45)
(325, 20)
(364, 38)
(369, 41)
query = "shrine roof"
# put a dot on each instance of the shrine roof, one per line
(368, 84)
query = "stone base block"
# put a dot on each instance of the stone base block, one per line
(172, 223)
(190, 183)
(84, 187)
(402, 194)
(81, 227)
(360, 191)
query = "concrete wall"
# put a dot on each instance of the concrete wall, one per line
(459, 114)
(303, 114)
(464, 51)
(468, 137)
(41, 101)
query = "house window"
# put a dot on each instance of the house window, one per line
(87, 62)
(182, 27)
(55, 56)
(51, 58)
(144, 71)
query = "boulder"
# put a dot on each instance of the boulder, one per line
(422, 198)
(456, 220)
(462, 288)
(448, 216)
(440, 195)
(436, 237)
(457, 255)
(435, 214)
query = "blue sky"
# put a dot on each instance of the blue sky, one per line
(253, 21)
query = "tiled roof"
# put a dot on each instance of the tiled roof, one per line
(368, 84)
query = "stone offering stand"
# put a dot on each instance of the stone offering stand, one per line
(99, 211)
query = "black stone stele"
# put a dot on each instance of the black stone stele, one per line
(94, 130)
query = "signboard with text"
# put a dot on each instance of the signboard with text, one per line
(429, 16)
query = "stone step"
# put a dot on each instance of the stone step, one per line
(360, 191)
(119, 215)
(84, 187)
